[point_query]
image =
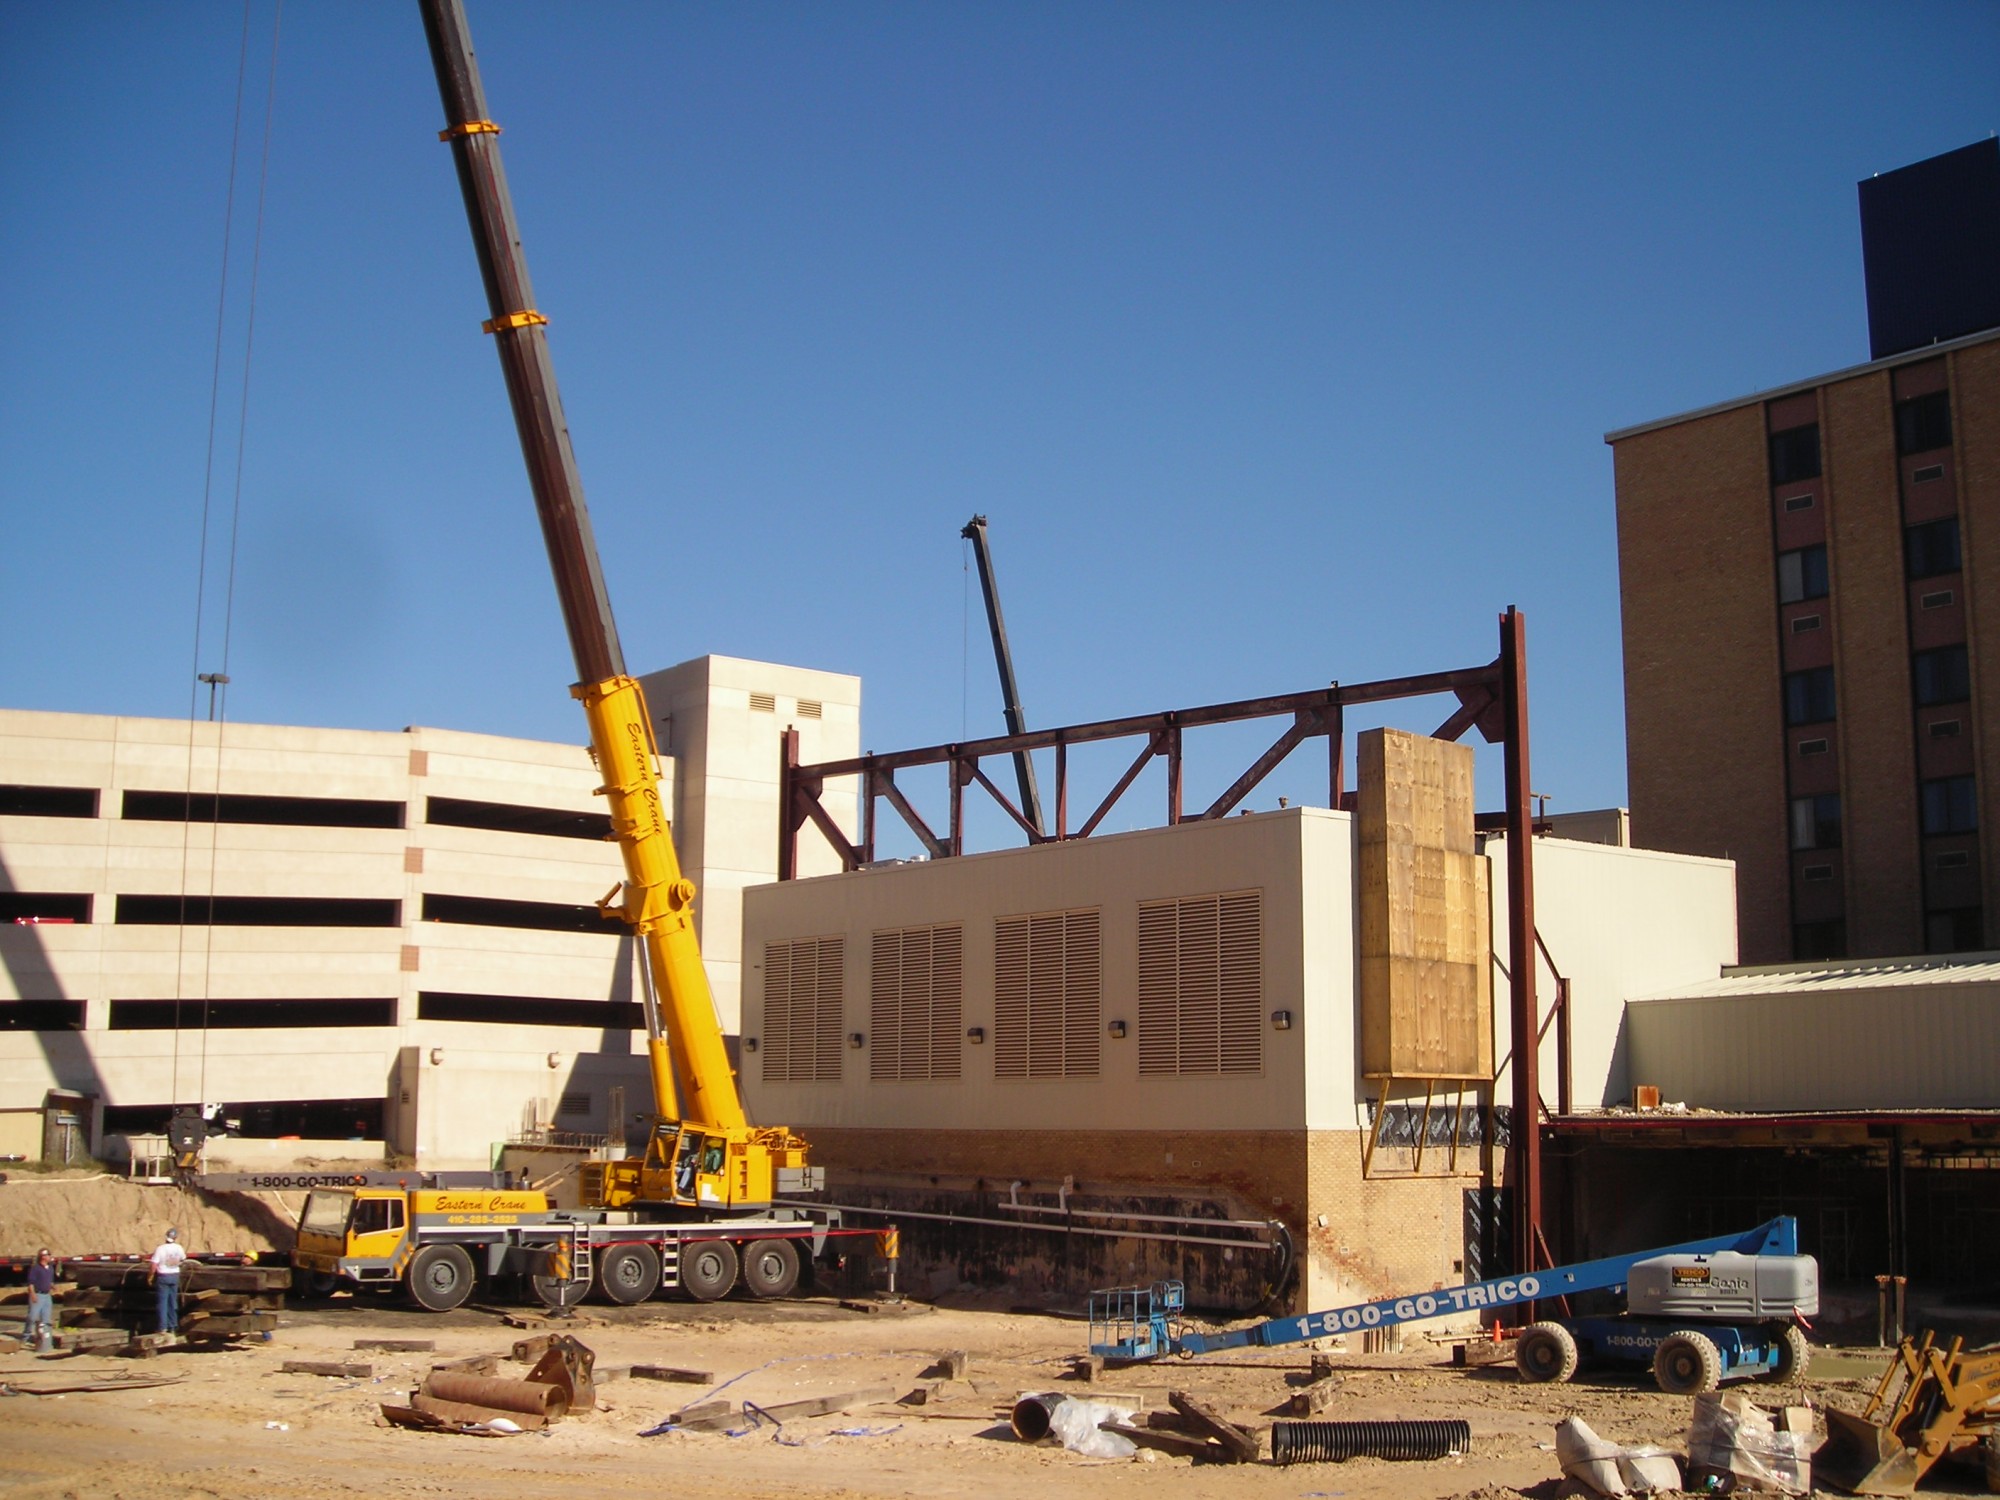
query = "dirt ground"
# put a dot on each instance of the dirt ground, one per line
(234, 1425)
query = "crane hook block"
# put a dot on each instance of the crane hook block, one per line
(470, 127)
(526, 319)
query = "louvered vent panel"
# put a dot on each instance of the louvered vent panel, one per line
(1242, 982)
(913, 1019)
(777, 1012)
(1200, 950)
(947, 1000)
(885, 1004)
(763, 703)
(829, 1003)
(1083, 1005)
(1159, 1026)
(1010, 997)
(1045, 1002)
(811, 708)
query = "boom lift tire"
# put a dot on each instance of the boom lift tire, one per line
(628, 1273)
(708, 1269)
(1687, 1363)
(1794, 1355)
(1545, 1352)
(770, 1268)
(441, 1277)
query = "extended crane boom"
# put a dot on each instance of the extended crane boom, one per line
(974, 531)
(702, 1151)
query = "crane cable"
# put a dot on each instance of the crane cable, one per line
(221, 679)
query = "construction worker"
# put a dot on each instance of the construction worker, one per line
(36, 1331)
(165, 1275)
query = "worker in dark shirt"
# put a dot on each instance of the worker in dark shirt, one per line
(41, 1301)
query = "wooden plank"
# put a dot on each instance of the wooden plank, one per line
(1316, 1397)
(673, 1374)
(527, 1351)
(326, 1367)
(397, 1346)
(1165, 1440)
(949, 1366)
(707, 1416)
(471, 1364)
(819, 1406)
(1240, 1445)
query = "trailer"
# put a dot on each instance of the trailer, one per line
(1700, 1312)
(439, 1246)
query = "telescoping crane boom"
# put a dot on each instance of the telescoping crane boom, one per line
(974, 531)
(701, 1153)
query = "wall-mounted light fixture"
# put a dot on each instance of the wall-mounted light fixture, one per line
(749, 1044)
(1281, 1020)
(1115, 1029)
(437, 1056)
(856, 1040)
(976, 1035)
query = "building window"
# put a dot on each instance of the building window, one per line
(1812, 941)
(1795, 454)
(1959, 931)
(1941, 675)
(804, 993)
(48, 801)
(1931, 548)
(1923, 423)
(1809, 696)
(1047, 995)
(915, 1003)
(1816, 821)
(1802, 574)
(1927, 474)
(1201, 984)
(1951, 805)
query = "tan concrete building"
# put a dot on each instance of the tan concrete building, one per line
(1809, 577)
(1170, 1022)
(339, 933)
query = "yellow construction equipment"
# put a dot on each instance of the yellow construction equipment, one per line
(1928, 1402)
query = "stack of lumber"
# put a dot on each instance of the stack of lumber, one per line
(217, 1300)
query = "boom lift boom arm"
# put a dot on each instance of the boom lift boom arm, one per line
(693, 1086)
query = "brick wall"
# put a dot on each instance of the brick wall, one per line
(1975, 379)
(1703, 711)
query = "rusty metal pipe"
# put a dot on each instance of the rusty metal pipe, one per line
(531, 1396)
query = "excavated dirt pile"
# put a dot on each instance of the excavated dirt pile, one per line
(102, 1215)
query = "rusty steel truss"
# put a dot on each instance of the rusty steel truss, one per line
(1492, 698)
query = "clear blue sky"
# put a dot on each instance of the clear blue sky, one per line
(1278, 341)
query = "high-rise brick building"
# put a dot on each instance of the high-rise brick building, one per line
(1811, 602)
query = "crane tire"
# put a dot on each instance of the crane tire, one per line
(1794, 1354)
(628, 1273)
(1687, 1363)
(1545, 1352)
(440, 1277)
(708, 1269)
(770, 1268)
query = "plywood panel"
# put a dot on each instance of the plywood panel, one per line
(1425, 939)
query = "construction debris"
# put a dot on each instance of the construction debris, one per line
(1764, 1448)
(1610, 1470)
(396, 1346)
(454, 1399)
(326, 1367)
(1240, 1445)
(673, 1374)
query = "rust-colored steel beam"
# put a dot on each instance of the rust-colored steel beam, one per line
(1525, 1151)
(1304, 726)
(885, 783)
(1035, 835)
(1111, 798)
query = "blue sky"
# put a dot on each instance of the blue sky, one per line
(1277, 341)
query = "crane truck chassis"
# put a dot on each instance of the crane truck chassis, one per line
(1698, 1313)
(439, 1245)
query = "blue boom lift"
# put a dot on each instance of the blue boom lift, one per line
(1698, 1313)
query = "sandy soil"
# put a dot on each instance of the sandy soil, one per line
(235, 1426)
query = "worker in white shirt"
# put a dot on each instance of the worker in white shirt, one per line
(165, 1275)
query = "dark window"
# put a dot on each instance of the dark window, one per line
(1923, 423)
(44, 906)
(528, 1010)
(1805, 624)
(256, 911)
(1802, 574)
(539, 916)
(1927, 473)
(1816, 821)
(1798, 502)
(1812, 941)
(1809, 696)
(300, 812)
(1959, 931)
(1951, 805)
(505, 817)
(48, 801)
(1795, 454)
(1812, 747)
(1941, 676)
(41, 1015)
(245, 1015)
(1944, 729)
(1931, 548)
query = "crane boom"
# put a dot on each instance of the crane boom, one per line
(974, 531)
(699, 1116)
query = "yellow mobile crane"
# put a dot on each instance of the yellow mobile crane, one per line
(702, 1154)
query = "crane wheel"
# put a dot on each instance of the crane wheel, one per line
(1687, 1363)
(1794, 1354)
(708, 1269)
(1545, 1352)
(628, 1273)
(441, 1277)
(770, 1268)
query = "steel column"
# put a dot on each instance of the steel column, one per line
(1525, 1152)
